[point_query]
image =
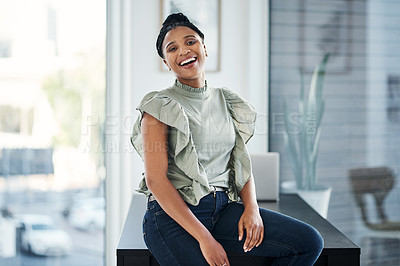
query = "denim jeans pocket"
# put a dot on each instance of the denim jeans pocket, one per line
(150, 205)
(156, 208)
(160, 212)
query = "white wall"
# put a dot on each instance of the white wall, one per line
(133, 69)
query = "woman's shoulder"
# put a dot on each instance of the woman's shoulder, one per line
(156, 97)
(156, 93)
(162, 106)
(231, 96)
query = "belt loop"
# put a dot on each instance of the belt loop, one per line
(151, 198)
(215, 188)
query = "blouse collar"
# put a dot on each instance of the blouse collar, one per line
(189, 91)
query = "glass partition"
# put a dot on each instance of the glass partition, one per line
(359, 146)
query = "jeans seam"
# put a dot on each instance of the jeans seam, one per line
(285, 246)
(162, 239)
(144, 229)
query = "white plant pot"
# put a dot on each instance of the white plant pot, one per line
(318, 199)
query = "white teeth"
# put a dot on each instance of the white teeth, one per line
(187, 61)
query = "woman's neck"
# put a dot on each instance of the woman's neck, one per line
(195, 82)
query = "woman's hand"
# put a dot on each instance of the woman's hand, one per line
(213, 252)
(251, 222)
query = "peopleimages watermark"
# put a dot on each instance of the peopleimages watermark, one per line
(107, 147)
(121, 127)
(296, 125)
(113, 124)
(125, 146)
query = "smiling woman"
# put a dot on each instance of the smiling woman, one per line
(192, 183)
(181, 45)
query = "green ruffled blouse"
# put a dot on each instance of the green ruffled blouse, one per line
(166, 106)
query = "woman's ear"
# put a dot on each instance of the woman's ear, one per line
(165, 62)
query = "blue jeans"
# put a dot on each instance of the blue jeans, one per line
(290, 241)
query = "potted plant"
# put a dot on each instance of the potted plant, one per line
(302, 142)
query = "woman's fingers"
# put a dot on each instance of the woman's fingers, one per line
(261, 236)
(254, 237)
(249, 236)
(241, 229)
(213, 252)
(251, 226)
(251, 239)
(224, 263)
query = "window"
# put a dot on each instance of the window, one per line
(52, 110)
(5, 49)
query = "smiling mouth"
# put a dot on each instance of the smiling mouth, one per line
(188, 61)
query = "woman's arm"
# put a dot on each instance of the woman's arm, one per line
(251, 219)
(155, 137)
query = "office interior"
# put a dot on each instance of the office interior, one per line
(72, 73)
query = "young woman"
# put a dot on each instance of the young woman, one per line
(192, 140)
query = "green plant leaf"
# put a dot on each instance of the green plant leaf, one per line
(302, 148)
(291, 147)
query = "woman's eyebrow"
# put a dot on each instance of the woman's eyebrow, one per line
(187, 36)
(169, 44)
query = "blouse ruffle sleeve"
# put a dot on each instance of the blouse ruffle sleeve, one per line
(242, 112)
(168, 111)
(244, 117)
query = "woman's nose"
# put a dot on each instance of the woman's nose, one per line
(185, 51)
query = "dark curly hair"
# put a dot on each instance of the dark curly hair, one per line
(171, 22)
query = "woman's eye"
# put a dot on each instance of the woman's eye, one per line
(171, 49)
(191, 42)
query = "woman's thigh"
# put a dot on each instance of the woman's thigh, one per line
(283, 235)
(169, 243)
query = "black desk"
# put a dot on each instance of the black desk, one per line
(338, 249)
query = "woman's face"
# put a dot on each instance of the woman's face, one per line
(185, 54)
